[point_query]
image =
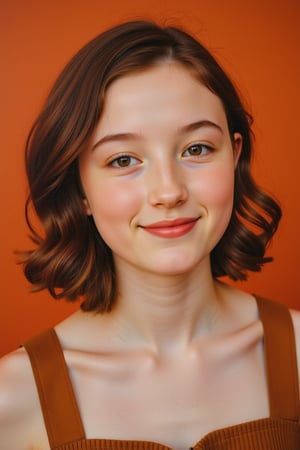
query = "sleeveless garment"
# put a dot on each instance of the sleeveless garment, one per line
(280, 431)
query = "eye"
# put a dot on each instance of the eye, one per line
(197, 150)
(124, 161)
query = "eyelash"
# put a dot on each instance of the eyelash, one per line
(116, 162)
(200, 146)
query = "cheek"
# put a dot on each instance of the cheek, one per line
(114, 206)
(215, 188)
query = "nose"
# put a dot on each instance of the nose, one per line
(167, 188)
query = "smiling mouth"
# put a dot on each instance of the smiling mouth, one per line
(171, 228)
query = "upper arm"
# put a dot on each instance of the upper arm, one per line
(19, 404)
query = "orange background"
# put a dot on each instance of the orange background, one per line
(256, 41)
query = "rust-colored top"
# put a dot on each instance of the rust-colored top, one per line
(280, 431)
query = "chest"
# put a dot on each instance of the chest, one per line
(175, 403)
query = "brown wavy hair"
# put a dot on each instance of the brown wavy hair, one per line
(70, 259)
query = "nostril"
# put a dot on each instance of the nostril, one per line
(168, 191)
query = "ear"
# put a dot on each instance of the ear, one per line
(87, 208)
(237, 147)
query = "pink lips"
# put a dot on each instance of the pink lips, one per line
(171, 228)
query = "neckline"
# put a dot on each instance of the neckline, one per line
(215, 437)
(48, 362)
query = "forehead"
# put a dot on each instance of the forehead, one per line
(167, 92)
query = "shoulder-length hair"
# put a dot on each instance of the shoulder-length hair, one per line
(70, 259)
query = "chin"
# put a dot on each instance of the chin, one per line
(179, 265)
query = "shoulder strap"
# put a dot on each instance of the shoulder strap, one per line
(58, 403)
(280, 359)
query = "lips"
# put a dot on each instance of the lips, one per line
(171, 228)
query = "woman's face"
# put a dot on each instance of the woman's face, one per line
(159, 172)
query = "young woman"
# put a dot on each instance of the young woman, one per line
(139, 170)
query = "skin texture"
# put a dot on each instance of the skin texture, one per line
(162, 176)
(178, 345)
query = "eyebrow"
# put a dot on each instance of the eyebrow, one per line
(134, 136)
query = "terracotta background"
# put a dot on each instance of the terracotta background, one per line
(257, 42)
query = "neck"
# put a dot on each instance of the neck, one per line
(166, 313)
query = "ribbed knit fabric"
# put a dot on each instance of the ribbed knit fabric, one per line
(280, 431)
(264, 434)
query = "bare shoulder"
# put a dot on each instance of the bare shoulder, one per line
(15, 378)
(19, 403)
(296, 321)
